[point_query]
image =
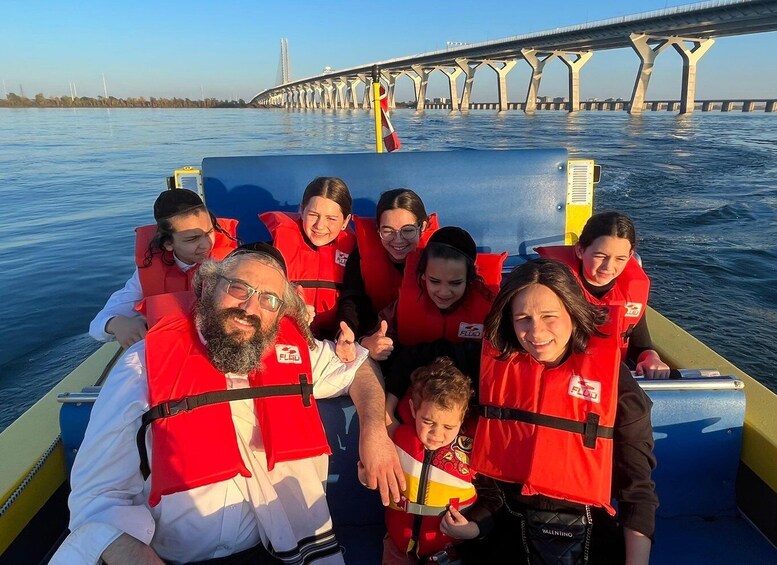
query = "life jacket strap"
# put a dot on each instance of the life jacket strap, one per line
(590, 429)
(188, 403)
(319, 284)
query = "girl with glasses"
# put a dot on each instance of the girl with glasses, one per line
(374, 270)
(316, 244)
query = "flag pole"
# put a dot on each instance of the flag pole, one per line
(376, 109)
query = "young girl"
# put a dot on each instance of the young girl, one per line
(373, 273)
(166, 257)
(603, 261)
(443, 295)
(434, 452)
(316, 246)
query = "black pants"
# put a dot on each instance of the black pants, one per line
(504, 543)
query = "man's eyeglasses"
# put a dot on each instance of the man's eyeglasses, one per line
(242, 291)
(408, 232)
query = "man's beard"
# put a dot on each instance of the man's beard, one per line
(231, 352)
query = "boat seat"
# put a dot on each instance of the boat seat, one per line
(533, 182)
(697, 427)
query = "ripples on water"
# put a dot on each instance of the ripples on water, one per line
(73, 184)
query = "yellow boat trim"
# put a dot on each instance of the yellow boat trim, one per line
(29, 439)
(759, 441)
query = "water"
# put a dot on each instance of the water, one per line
(73, 184)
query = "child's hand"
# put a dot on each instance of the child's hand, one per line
(650, 365)
(344, 345)
(379, 345)
(457, 526)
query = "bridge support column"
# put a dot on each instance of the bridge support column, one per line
(574, 76)
(351, 96)
(537, 63)
(328, 100)
(391, 82)
(647, 56)
(452, 75)
(318, 96)
(420, 80)
(501, 80)
(707, 106)
(340, 93)
(302, 97)
(748, 106)
(771, 106)
(726, 106)
(690, 57)
(469, 70)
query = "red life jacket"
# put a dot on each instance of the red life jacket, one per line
(160, 277)
(318, 270)
(199, 447)
(419, 320)
(442, 477)
(582, 394)
(627, 299)
(381, 278)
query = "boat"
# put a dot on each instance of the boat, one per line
(714, 425)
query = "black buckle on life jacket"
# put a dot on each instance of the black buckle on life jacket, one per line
(174, 407)
(306, 389)
(494, 412)
(590, 430)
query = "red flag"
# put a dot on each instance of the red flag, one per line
(390, 138)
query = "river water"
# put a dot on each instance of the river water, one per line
(74, 183)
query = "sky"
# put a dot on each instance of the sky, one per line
(231, 49)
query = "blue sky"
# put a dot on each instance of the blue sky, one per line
(231, 49)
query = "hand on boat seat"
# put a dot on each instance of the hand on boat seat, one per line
(650, 365)
(345, 346)
(379, 344)
(127, 331)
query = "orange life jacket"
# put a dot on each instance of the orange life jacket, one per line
(435, 479)
(163, 275)
(318, 270)
(381, 278)
(627, 299)
(193, 442)
(550, 429)
(419, 320)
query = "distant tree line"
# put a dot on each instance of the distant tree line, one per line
(13, 100)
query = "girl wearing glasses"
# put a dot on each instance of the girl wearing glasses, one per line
(374, 270)
(316, 244)
(167, 255)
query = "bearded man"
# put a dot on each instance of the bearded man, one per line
(205, 444)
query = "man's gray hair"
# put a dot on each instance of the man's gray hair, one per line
(207, 277)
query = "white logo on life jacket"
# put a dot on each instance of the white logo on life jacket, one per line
(340, 257)
(288, 354)
(633, 309)
(585, 389)
(470, 331)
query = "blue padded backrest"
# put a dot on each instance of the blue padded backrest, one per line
(508, 200)
(698, 435)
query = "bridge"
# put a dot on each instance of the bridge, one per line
(690, 30)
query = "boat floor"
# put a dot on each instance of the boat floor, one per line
(719, 539)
